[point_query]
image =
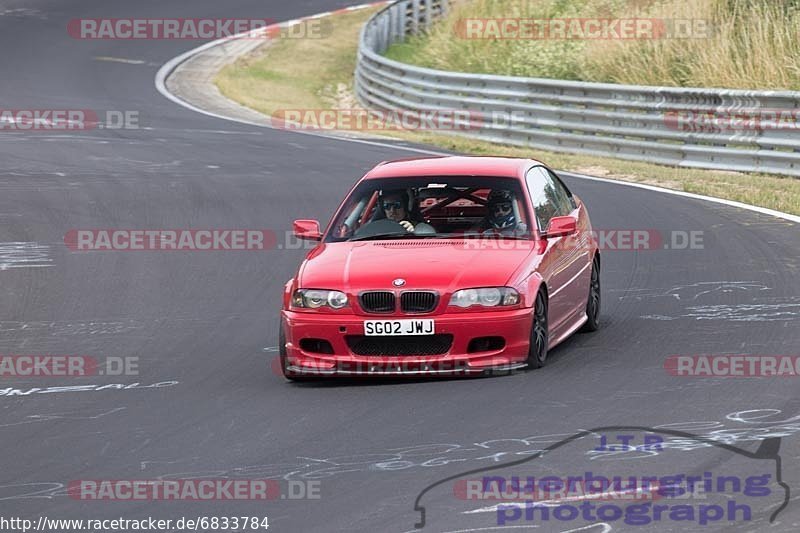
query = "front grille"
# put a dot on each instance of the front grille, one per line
(418, 301)
(406, 345)
(377, 301)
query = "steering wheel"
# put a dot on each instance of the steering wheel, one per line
(378, 227)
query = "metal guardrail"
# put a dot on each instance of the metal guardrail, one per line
(624, 121)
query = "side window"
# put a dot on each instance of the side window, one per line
(548, 195)
(570, 201)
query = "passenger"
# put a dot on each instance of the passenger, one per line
(501, 216)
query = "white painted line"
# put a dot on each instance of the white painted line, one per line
(731, 203)
(492, 528)
(167, 68)
(120, 60)
(606, 528)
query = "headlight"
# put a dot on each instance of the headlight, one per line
(486, 297)
(316, 298)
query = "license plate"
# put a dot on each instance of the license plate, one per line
(373, 328)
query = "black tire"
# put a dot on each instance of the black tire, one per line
(537, 352)
(593, 302)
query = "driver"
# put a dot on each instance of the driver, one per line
(395, 206)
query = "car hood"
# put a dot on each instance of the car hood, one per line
(445, 265)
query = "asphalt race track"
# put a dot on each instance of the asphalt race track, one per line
(204, 324)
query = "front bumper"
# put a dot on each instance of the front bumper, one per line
(513, 326)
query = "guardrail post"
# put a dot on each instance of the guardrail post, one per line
(385, 34)
(428, 14)
(392, 25)
(401, 21)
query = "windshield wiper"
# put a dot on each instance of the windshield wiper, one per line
(391, 236)
(491, 236)
(439, 236)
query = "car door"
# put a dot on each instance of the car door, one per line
(565, 258)
(576, 248)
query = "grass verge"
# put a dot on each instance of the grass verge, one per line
(736, 44)
(317, 74)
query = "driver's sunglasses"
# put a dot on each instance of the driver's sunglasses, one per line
(501, 208)
(397, 205)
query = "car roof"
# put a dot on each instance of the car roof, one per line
(452, 166)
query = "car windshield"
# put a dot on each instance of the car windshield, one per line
(432, 207)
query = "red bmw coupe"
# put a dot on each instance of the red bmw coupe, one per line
(442, 266)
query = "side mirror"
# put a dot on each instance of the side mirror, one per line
(560, 226)
(307, 230)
